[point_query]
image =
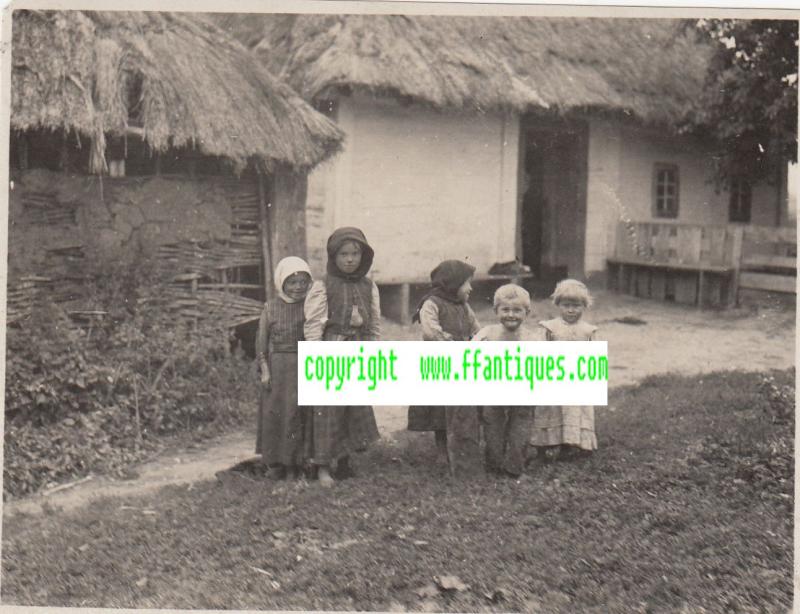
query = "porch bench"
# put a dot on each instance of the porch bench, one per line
(688, 282)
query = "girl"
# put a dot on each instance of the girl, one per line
(564, 429)
(445, 316)
(282, 425)
(344, 306)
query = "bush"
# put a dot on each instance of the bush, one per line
(80, 400)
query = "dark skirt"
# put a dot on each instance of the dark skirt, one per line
(283, 427)
(338, 431)
(426, 418)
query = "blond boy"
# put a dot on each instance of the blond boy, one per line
(507, 430)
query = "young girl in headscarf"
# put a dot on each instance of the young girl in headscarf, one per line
(282, 425)
(567, 429)
(445, 315)
(344, 306)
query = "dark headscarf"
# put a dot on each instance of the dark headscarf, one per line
(446, 279)
(339, 237)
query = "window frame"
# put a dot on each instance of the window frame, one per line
(743, 215)
(658, 168)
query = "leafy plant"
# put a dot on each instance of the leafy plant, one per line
(85, 399)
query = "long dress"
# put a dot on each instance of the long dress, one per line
(342, 310)
(567, 424)
(282, 425)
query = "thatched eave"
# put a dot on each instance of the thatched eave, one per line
(195, 87)
(652, 67)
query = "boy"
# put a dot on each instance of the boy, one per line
(507, 430)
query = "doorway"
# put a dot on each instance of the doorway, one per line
(553, 203)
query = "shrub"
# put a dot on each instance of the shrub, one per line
(94, 399)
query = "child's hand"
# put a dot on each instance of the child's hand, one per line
(447, 336)
(266, 379)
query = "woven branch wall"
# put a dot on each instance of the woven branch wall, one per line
(211, 277)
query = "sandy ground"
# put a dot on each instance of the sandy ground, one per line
(672, 338)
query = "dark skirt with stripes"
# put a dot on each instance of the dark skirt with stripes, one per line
(338, 431)
(283, 428)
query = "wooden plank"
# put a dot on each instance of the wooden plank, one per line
(642, 288)
(686, 288)
(658, 284)
(770, 234)
(661, 244)
(688, 244)
(765, 281)
(763, 260)
(715, 238)
(265, 229)
(677, 266)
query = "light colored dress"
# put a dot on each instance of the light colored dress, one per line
(569, 425)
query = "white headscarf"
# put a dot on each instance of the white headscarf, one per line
(285, 269)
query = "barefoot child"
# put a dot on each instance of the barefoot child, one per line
(507, 430)
(445, 315)
(566, 429)
(344, 306)
(282, 425)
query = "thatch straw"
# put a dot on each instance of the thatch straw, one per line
(73, 70)
(648, 67)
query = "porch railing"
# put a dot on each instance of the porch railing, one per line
(665, 260)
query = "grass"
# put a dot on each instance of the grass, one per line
(687, 505)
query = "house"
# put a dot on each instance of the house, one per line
(499, 138)
(153, 134)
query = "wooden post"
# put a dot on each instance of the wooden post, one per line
(736, 262)
(63, 160)
(405, 300)
(265, 229)
(23, 151)
(288, 213)
(701, 288)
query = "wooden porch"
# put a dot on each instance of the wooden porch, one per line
(701, 265)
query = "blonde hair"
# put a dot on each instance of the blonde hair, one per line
(512, 292)
(574, 289)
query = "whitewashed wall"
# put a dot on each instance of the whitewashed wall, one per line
(423, 185)
(621, 159)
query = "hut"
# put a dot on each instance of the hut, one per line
(541, 140)
(153, 133)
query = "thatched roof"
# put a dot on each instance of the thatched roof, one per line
(189, 84)
(648, 67)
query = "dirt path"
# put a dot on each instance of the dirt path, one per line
(670, 339)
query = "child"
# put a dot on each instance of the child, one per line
(564, 429)
(344, 306)
(507, 430)
(445, 316)
(282, 425)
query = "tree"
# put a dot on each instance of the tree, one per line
(749, 104)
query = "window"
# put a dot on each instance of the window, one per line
(666, 188)
(741, 199)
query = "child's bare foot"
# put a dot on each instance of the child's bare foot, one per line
(324, 476)
(343, 469)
